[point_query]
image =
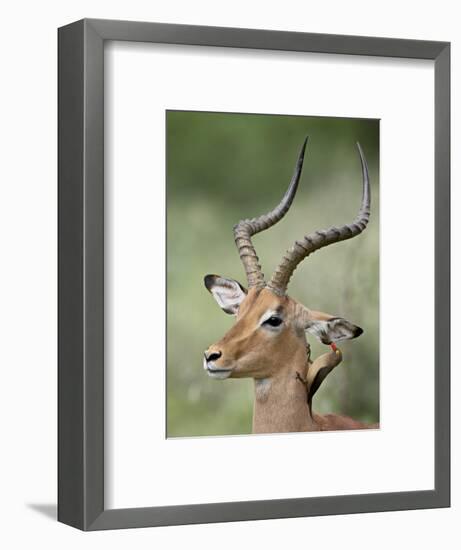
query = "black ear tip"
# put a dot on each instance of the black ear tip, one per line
(358, 331)
(209, 281)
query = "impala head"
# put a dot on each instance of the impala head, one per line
(270, 326)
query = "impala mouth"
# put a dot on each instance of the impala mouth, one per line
(215, 372)
(219, 374)
(211, 369)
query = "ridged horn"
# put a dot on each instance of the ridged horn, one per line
(245, 229)
(318, 239)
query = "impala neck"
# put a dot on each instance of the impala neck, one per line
(280, 401)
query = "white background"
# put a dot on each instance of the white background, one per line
(28, 277)
(141, 82)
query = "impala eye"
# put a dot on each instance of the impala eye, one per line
(273, 321)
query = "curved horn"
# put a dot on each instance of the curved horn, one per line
(318, 239)
(245, 229)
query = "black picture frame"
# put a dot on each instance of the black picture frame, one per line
(81, 274)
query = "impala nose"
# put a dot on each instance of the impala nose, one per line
(212, 356)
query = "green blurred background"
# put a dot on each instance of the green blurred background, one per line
(223, 167)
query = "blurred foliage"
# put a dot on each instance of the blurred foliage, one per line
(225, 167)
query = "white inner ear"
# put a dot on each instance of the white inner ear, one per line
(335, 330)
(228, 294)
(318, 329)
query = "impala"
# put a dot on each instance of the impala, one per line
(268, 340)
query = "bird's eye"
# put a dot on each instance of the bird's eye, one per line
(273, 321)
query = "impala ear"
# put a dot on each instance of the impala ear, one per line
(228, 293)
(328, 329)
